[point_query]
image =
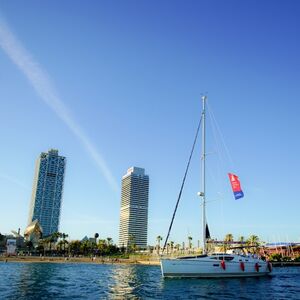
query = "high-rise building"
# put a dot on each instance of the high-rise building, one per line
(134, 208)
(47, 191)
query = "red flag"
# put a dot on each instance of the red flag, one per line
(236, 186)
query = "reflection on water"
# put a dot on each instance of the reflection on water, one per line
(96, 281)
(125, 281)
(133, 282)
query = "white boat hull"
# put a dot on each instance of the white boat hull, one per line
(207, 267)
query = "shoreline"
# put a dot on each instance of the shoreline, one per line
(106, 260)
(89, 260)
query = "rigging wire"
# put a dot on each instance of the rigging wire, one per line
(220, 144)
(221, 166)
(224, 154)
(183, 182)
(218, 130)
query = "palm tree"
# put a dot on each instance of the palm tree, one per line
(190, 241)
(102, 247)
(241, 239)
(158, 239)
(86, 247)
(60, 244)
(168, 247)
(41, 247)
(64, 236)
(2, 237)
(56, 235)
(74, 247)
(49, 240)
(228, 237)
(227, 242)
(43, 243)
(65, 243)
(172, 246)
(253, 241)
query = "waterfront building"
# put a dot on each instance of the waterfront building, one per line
(33, 232)
(134, 208)
(285, 249)
(47, 191)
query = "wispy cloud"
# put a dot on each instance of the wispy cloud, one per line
(15, 181)
(43, 86)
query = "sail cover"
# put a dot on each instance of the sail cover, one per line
(207, 233)
(236, 186)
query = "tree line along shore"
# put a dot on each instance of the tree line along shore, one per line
(83, 259)
(57, 248)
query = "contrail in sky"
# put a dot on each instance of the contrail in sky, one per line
(14, 181)
(43, 86)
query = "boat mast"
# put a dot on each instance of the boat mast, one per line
(203, 174)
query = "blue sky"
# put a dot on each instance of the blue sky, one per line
(113, 84)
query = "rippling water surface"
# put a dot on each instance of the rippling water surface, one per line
(91, 281)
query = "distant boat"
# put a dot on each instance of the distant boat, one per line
(218, 264)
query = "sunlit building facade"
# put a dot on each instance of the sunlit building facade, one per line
(134, 208)
(47, 191)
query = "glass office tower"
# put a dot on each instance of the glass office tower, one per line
(47, 191)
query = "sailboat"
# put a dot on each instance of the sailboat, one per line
(213, 265)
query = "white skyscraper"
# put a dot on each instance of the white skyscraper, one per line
(134, 208)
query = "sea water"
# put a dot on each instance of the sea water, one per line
(97, 281)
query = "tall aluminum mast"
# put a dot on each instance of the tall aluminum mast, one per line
(203, 173)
